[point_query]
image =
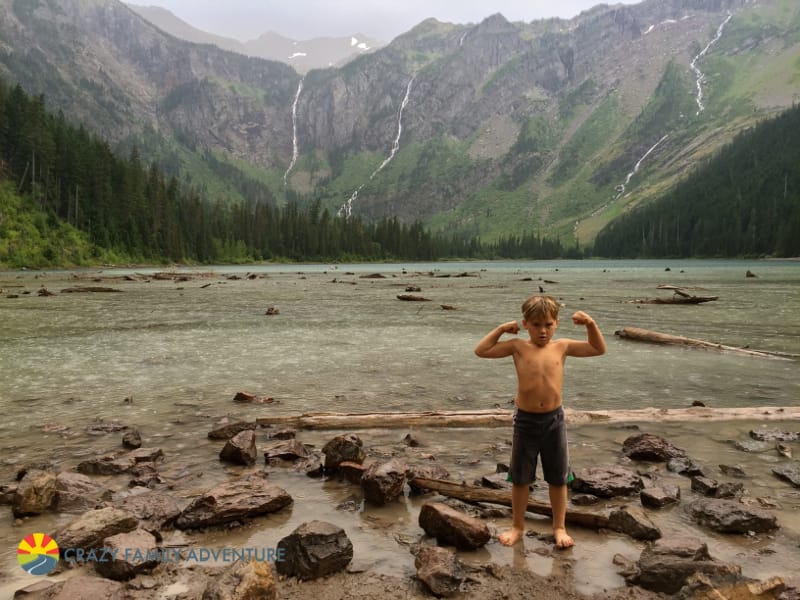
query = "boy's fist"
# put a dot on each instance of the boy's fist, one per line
(581, 318)
(510, 327)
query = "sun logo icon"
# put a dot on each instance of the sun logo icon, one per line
(38, 554)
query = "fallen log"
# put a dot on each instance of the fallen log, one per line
(679, 298)
(412, 298)
(503, 417)
(471, 493)
(91, 288)
(655, 337)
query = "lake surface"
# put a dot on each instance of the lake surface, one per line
(168, 356)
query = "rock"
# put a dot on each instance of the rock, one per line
(732, 471)
(342, 448)
(495, 481)
(92, 527)
(665, 565)
(633, 521)
(132, 439)
(352, 471)
(76, 493)
(411, 440)
(452, 527)
(685, 466)
(750, 274)
(154, 510)
(426, 471)
(383, 482)
(752, 445)
(788, 472)
(289, 449)
(272, 310)
(729, 490)
(650, 447)
(7, 492)
(109, 464)
(584, 499)
(283, 434)
(241, 448)
(226, 432)
(311, 466)
(146, 455)
(439, 569)
(774, 435)
(251, 580)
(144, 475)
(242, 499)
(728, 516)
(101, 427)
(660, 496)
(133, 553)
(248, 398)
(80, 587)
(607, 482)
(704, 485)
(732, 586)
(35, 493)
(313, 550)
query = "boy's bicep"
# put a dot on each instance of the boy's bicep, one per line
(499, 350)
(581, 349)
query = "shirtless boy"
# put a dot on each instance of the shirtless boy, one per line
(539, 425)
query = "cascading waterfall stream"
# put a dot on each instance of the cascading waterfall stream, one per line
(347, 208)
(621, 187)
(294, 130)
(698, 72)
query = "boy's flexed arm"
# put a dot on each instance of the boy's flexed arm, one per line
(595, 344)
(490, 345)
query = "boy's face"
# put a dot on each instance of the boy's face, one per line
(541, 328)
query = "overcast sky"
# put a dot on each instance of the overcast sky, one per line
(380, 19)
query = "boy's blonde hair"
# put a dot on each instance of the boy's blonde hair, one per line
(541, 307)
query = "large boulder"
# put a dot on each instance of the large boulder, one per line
(89, 530)
(233, 501)
(132, 553)
(241, 448)
(313, 550)
(343, 448)
(251, 580)
(452, 527)
(439, 569)
(607, 482)
(650, 447)
(384, 482)
(665, 565)
(35, 493)
(730, 516)
(77, 493)
(154, 510)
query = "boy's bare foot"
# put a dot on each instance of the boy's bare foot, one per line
(563, 539)
(510, 536)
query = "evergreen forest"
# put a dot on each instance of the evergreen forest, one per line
(68, 199)
(744, 201)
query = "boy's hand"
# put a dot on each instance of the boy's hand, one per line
(510, 327)
(581, 318)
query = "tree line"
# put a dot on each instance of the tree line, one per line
(745, 201)
(138, 211)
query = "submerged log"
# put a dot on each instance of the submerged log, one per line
(503, 417)
(678, 298)
(471, 493)
(655, 337)
(412, 298)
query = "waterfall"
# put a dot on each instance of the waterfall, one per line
(698, 72)
(294, 130)
(621, 188)
(347, 208)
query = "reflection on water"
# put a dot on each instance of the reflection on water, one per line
(168, 357)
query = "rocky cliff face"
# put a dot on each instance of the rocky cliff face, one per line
(499, 105)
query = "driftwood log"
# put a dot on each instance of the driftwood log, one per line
(655, 337)
(471, 493)
(503, 418)
(679, 298)
(412, 298)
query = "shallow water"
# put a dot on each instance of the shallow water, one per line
(168, 357)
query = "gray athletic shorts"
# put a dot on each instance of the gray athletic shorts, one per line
(537, 434)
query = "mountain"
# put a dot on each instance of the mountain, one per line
(492, 129)
(315, 53)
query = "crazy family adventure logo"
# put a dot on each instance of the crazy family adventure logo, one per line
(38, 554)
